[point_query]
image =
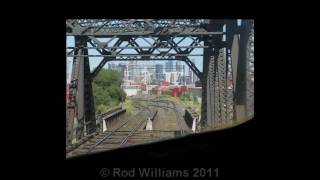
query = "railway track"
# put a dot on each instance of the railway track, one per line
(131, 131)
(167, 106)
(179, 120)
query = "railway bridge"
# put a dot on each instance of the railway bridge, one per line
(228, 54)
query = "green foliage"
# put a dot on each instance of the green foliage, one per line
(107, 77)
(128, 105)
(106, 90)
(195, 100)
(190, 101)
(185, 97)
(101, 108)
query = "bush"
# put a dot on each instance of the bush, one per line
(106, 90)
(101, 108)
(195, 100)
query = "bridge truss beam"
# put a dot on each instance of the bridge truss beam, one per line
(163, 45)
(137, 27)
(223, 60)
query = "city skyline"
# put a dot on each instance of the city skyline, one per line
(141, 73)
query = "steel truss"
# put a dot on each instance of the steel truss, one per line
(112, 53)
(138, 27)
(229, 60)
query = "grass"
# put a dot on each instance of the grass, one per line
(190, 102)
(185, 101)
(194, 105)
(128, 105)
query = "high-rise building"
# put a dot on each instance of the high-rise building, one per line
(178, 66)
(167, 76)
(145, 78)
(151, 68)
(130, 70)
(174, 78)
(126, 76)
(159, 72)
(121, 68)
(188, 79)
(135, 70)
(111, 65)
(169, 66)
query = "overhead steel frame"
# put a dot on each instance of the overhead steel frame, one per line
(241, 46)
(218, 106)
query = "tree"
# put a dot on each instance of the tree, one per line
(106, 90)
(101, 108)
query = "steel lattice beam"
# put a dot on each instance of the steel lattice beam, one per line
(222, 69)
(133, 55)
(110, 53)
(159, 44)
(138, 27)
(217, 99)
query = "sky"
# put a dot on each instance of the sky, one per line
(94, 61)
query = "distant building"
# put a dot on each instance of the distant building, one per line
(130, 70)
(188, 79)
(111, 65)
(178, 66)
(121, 69)
(169, 66)
(136, 71)
(159, 72)
(145, 77)
(151, 70)
(174, 78)
(167, 76)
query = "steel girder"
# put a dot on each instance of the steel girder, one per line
(165, 30)
(232, 31)
(250, 71)
(75, 112)
(81, 111)
(143, 55)
(105, 59)
(210, 115)
(111, 53)
(159, 44)
(138, 27)
(72, 115)
(205, 88)
(90, 121)
(193, 67)
(216, 90)
(222, 77)
(242, 66)
(229, 96)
